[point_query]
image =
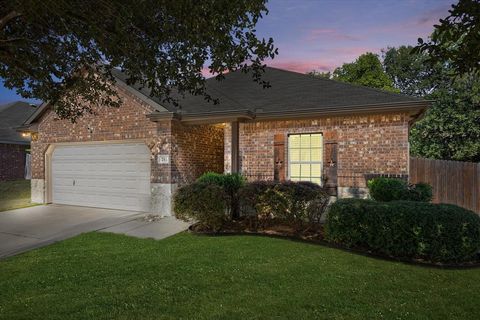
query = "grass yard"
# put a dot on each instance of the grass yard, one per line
(100, 276)
(14, 194)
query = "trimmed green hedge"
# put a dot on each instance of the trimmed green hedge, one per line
(435, 232)
(214, 199)
(298, 204)
(392, 189)
(202, 202)
(231, 183)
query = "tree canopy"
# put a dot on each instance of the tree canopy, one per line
(451, 127)
(63, 51)
(410, 73)
(456, 39)
(366, 70)
(319, 74)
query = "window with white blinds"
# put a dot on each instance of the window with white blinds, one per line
(305, 157)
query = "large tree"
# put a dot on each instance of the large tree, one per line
(366, 70)
(63, 51)
(410, 73)
(456, 39)
(451, 127)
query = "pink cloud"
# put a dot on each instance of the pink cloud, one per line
(302, 65)
(417, 26)
(328, 60)
(432, 17)
(206, 72)
(330, 34)
(342, 52)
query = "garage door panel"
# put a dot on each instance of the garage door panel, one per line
(108, 176)
(99, 166)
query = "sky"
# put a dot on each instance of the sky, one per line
(323, 34)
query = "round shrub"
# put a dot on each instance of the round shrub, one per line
(203, 203)
(230, 183)
(392, 189)
(387, 189)
(435, 232)
(420, 192)
(294, 203)
(211, 178)
(249, 196)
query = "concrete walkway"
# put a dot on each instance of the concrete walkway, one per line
(139, 228)
(29, 228)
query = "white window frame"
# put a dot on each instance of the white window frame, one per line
(305, 162)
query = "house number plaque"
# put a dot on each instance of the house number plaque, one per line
(163, 158)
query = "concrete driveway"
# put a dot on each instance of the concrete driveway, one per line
(25, 229)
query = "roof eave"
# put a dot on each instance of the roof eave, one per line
(162, 116)
(204, 117)
(137, 93)
(23, 143)
(34, 116)
(415, 106)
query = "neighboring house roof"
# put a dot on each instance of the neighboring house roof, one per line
(13, 115)
(291, 95)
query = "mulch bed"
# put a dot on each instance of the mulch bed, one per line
(316, 237)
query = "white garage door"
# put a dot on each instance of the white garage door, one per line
(115, 176)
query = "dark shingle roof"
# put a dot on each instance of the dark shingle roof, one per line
(13, 115)
(291, 95)
(289, 91)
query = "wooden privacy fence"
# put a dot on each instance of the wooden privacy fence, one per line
(452, 182)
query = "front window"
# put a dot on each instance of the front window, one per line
(305, 157)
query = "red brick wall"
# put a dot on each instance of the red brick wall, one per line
(126, 122)
(366, 144)
(192, 149)
(12, 161)
(197, 149)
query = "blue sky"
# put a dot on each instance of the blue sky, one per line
(322, 34)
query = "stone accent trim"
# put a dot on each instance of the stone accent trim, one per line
(38, 190)
(162, 198)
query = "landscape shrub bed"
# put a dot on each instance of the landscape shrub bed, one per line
(406, 229)
(255, 205)
(297, 204)
(392, 189)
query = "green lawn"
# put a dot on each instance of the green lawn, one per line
(106, 276)
(14, 194)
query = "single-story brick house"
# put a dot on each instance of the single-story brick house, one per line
(13, 145)
(301, 128)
